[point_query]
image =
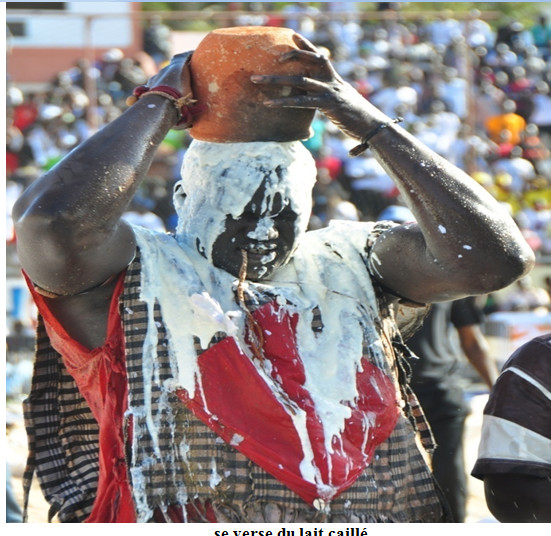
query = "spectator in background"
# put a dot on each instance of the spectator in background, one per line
(316, 140)
(512, 34)
(456, 56)
(331, 201)
(470, 151)
(503, 148)
(504, 192)
(539, 189)
(443, 30)
(520, 169)
(395, 94)
(509, 120)
(535, 151)
(477, 31)
(156, 40)
(534, 64)
(541, 114)
(329, 163)
(129, 75)
(371, 188)
(348, 33)
(376, 53)
(15, 140)
(109, 65)
(299, 18)
(526, 296)
(535, 217)
(438, 382)
(453, 91)
(541, 35)
(25, 112)
(514, 456)
(439, 128)
(520, 89)
(44, 136)
(500, 59)
(488, 100)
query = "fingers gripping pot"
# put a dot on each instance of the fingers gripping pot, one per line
(221, 68)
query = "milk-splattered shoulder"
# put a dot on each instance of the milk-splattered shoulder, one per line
(341, 256)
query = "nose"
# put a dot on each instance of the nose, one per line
(265, 230)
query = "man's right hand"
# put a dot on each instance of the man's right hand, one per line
(177, 75)
(324, 90)
(70, 234)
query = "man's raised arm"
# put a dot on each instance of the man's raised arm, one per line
(463, 242)
(70, 235)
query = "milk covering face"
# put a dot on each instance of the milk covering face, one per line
(319, 369)
(254, 197)
(321, 363)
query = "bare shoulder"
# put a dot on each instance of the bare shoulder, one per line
(63, 263)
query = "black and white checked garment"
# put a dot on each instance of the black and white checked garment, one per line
(176, 467)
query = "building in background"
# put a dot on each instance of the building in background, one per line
(39, 47)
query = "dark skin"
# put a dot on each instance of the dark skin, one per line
(71, 237)
(477, 351)
(275, 240)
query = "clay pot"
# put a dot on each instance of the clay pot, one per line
(221, 68)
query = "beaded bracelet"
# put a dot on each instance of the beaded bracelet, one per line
(185, 105)
(359, 149)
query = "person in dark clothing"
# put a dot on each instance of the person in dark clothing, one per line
(437, 383)
(156, 41)
(514, 455)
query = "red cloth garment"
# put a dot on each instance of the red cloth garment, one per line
(268, 416)
(240, 406)
(100, 375)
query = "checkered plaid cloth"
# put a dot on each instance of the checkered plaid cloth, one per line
(186, 462)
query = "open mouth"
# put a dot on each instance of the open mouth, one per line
(259, 255)
(260, 248)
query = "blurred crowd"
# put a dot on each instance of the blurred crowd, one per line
(479, 95)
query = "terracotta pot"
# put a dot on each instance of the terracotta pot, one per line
(221, 68)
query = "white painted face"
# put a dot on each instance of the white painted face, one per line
(216, 198)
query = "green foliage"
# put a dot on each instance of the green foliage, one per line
(525, 12)
(182, 23)
(176, 6)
